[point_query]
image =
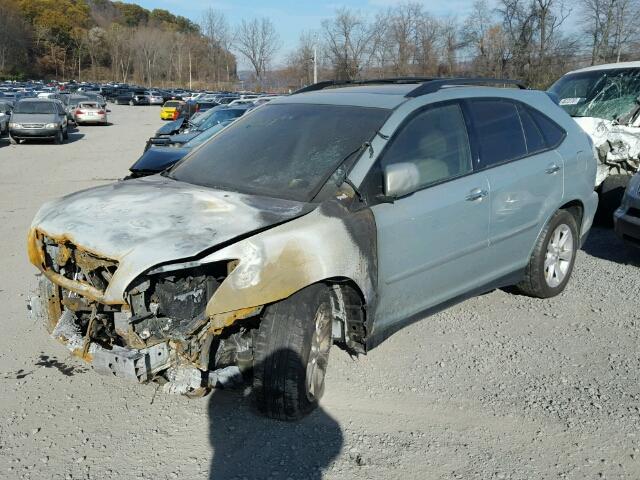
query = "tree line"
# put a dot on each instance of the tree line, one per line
(103, 40)
(535, 41)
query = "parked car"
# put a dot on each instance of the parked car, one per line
(171, 110)
(209, 119)
(133, 97)
(38, 118)
(71, 103)
(162, 156)
(156, 98)
(627, 217)
(605, 101)
(90, 112)
(332, 215)
(5, 115)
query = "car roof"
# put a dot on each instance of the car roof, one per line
(390, 96)
(380, 96)
(39, 100)
(607, 66)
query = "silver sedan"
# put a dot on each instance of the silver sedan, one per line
(90, 112)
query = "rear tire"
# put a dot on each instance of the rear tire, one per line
(291, 353)
(553, 258)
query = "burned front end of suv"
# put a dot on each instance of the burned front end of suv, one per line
(160, 332)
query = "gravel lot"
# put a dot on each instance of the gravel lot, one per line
(501, 386)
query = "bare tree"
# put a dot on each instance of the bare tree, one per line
(120, 40)
(611, 27)
(258, 41)
(300, 61)
(216, 31)
(348, 42)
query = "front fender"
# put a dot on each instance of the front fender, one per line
(327, 243)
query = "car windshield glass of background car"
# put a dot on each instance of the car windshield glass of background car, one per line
(35, 107)
(607, 94)
(281, 150)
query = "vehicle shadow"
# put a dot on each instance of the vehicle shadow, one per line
(603, 243)
(74, 136)
(248, 445)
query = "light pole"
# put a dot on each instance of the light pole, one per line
(315, 63)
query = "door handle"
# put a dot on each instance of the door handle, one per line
(553, 168)
(476, 194)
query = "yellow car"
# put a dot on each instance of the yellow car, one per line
(171, 109)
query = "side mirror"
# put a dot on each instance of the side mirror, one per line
(400, 179)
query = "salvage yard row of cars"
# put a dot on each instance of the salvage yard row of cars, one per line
(274, 228)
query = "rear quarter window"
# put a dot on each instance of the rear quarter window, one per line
(552, 132)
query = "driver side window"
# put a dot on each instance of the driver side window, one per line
(436, 142)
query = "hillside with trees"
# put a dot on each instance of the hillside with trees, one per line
(108, 40)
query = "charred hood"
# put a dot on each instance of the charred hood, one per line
(144, 222)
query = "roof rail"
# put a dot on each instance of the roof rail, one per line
(438, 83)
(376, 81)
(427, 84)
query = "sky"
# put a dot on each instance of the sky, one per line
(292, 17)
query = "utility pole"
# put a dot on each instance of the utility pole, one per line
(190, 68)
(315, 63)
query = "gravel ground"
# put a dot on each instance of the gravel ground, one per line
(500, 386)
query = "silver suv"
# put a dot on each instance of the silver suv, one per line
(335, 215)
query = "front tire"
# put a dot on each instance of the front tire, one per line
(291, 353)
(12, 140)
(59, 138)
(131, 103)
(553, 257)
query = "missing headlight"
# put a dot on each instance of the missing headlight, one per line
(173, 304)
(183, 298)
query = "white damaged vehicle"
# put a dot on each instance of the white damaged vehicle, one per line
(605, 101)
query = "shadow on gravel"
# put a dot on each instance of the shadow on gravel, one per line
(74, 136)
(52, 362)
(248, 445)
(603, 243)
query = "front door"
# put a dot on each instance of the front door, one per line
(432, 243)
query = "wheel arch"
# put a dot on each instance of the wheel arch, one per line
(575, 208)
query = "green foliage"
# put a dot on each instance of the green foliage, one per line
(132, 15)
(56, 18)
(59, 32)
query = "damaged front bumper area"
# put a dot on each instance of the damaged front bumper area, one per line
(161, 334)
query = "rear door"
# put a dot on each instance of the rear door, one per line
(432, 243)
(525, 173)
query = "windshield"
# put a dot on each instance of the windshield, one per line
(35, 107)
(172, 104)
(220, 116)
(281, 150)
(607, 94)
(206, 135)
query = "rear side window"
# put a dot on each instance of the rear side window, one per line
(499, 132)
(553, 133)
(532, 132)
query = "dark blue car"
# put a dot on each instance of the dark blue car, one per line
(159, 158)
